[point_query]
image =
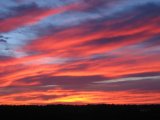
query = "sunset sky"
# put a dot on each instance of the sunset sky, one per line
(79, 52)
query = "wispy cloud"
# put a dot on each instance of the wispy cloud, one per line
(129, 79)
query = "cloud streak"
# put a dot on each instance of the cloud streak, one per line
(130, 79)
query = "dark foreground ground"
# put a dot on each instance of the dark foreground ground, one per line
(99, 112)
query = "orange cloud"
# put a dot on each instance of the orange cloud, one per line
(60, 96)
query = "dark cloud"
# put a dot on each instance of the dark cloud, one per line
(109, 41)
(144, 74)
(19, 10)
(94, 5)
(141, 85)
(69, 82)
(3, 41)
(5, 58)
(154, 41)
(25, 7)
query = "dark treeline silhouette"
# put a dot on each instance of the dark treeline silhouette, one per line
(82, 111)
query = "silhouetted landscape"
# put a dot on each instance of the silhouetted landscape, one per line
(82, 111)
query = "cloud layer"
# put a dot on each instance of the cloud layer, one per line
(79, 52)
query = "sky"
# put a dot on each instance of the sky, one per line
(79, 52)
